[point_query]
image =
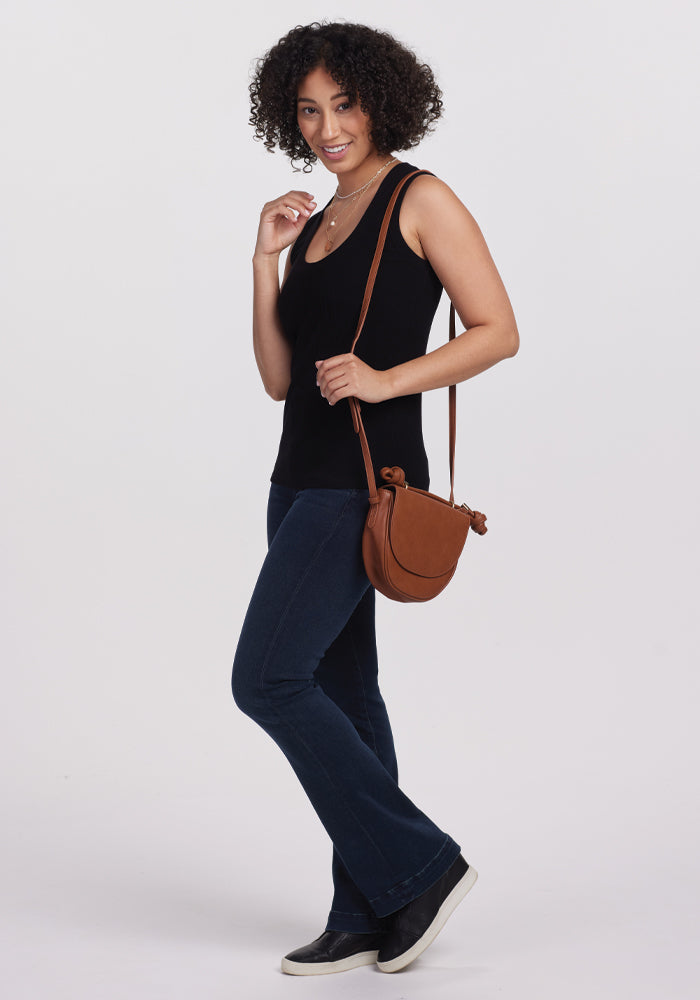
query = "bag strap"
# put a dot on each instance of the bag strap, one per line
(354, 402)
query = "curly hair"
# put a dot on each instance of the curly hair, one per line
(399, 94)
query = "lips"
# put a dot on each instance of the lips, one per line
(335, 152)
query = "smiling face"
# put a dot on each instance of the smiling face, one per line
(337, 131)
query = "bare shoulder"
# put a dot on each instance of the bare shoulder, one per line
(441, 229)
(429, 189)
(430, 210)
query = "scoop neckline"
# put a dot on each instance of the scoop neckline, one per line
(312, 263)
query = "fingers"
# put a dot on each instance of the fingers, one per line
(346, 375)
(292, 206)
(328, 364)
(336, 377)
(282, 220)
(338, 388)
(341, 392)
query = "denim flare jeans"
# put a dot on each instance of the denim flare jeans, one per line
(306, 671)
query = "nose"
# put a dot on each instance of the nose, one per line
(329, 127)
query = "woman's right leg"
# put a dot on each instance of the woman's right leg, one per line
(348, 674)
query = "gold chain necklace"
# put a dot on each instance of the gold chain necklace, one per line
(342, 197)
(333, 222)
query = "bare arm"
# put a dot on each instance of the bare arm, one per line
(279, 227)
(272, 351)
(437, 225)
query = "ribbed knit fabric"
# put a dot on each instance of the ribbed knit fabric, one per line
(319, 307)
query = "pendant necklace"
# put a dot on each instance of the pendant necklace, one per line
(345, 211)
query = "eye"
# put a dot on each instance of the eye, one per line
(345, 106)
(307, 111)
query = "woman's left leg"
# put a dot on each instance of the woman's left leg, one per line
(348, 674)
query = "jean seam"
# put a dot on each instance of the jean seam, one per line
(302, 580)
(356, 660)
(285, 722)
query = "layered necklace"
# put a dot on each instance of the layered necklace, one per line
(344, 212)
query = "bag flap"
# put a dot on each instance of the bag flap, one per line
(426, 533)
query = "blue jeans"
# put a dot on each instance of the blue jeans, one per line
(306, 671)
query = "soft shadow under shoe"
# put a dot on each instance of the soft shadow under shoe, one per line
(416, 925)
(333, 951)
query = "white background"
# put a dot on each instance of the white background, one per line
(155, 843)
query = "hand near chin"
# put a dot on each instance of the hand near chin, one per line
(282, 220)
(346, 375)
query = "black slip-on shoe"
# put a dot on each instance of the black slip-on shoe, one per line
(333, 951)
(418, 923)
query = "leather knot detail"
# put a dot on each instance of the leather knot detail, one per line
(478, 522)
(395, 476)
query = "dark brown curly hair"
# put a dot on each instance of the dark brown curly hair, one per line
(398, 93)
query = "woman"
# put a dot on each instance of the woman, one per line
(306, 663)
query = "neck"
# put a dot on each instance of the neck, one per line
(355, 179)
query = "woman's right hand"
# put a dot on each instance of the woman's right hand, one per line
(282, 220)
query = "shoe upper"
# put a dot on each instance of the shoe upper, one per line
(334, 946)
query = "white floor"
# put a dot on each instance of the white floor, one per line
(111, 894)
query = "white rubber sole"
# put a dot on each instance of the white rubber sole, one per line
(441, 917)
(325, 968)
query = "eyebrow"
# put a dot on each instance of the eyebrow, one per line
(310, 100)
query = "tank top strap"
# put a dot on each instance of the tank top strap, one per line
(377, 207)
(402, 194)
(395, 239)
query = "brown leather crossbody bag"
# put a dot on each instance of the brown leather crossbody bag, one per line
(412, 539)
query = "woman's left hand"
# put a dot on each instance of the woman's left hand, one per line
(346, 375)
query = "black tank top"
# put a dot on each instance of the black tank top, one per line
(319, 306)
